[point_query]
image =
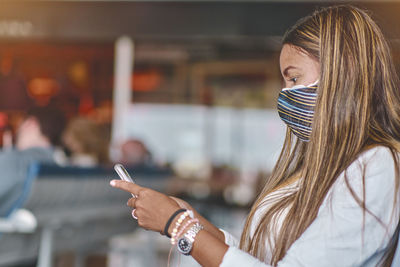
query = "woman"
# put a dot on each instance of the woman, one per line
(332, 199)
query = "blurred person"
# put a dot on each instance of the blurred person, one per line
(135, 152)
(5, 131)
(102, 114)
(36, 141)
(13, 90)
(333, 196)
(86, 142)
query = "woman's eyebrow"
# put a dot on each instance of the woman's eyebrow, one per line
(285, 72)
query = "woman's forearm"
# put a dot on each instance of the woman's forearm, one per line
(212, 229)
(208, 250)
(209, 246)
(203, 221)
(153, 210)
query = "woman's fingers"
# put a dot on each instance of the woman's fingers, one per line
(126, 186)
(131, 202)
(152, 208)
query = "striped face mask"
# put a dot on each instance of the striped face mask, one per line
(296, 108)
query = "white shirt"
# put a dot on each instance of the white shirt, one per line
(336, 236)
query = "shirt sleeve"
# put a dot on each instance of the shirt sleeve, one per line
(342, 234)
(235, 257)
(230, 240)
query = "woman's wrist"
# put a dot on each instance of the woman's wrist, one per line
(212, 229)
(207, 225)
(179, 222)
(186, 225)
(172, 221)
(208, 250)
(186, 241)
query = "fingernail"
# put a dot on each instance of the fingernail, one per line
(112, 183)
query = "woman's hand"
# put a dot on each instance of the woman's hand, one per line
(182, 203)
(151, 208)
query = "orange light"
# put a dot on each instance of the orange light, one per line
(42, 89)
(145, 81)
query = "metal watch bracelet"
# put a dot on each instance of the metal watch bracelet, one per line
(185, 243)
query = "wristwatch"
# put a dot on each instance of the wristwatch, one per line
(185, 243)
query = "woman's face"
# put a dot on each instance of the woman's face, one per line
(297, 67)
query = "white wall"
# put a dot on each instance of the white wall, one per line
(248, 138)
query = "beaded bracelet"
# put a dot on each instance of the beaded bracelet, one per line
(195, 220)
(170, 221)
(179, 222)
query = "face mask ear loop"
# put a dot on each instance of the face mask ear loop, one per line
(313, 84)
(300, 86)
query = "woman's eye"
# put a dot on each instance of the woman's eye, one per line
(294, 80)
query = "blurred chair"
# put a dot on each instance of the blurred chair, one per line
(20, 220)
(75, 209)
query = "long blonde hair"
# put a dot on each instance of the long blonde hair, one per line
(358, 106)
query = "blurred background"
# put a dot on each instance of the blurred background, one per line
(181, 92)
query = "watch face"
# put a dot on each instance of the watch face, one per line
(184, 246)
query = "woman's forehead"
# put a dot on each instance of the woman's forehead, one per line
(293, 57)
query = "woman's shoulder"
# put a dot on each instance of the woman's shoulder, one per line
(373, 172)
(375, 159)
(377, 152)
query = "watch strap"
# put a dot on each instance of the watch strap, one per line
(185, 243)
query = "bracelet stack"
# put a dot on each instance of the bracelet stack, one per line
(195, 220)
(178, 223)
(183, 240)
(170, 221)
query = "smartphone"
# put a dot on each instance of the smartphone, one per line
(123, 173)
